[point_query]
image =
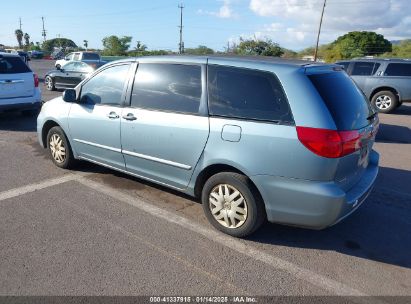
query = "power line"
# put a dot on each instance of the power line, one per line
(181, 44)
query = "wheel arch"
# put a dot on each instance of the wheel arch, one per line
(213, 169)
(385, 88)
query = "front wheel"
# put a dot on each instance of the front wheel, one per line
(232, 204)
(59, 148)
(385, 101)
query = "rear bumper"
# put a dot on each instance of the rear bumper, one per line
(312, 204)
(24, 103)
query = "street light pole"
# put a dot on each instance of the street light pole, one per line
(319, 31)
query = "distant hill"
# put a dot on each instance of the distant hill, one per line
(396, 42)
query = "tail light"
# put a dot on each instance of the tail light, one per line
(36, 80)
(329, 143)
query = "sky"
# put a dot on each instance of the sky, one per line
(214, 23)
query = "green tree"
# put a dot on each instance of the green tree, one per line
(19, 35)
(357, 44)
(140, 47)
(49, 45)
(402, 50)
(200, 50)
(258, 47)
(116, 46)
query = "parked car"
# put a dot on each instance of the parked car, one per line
(68, 76)
(37, 54)
(254, 138)
(19, 86)
(386, 82)
(88, 57)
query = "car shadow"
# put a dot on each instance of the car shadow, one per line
(404, 109)
(393, 134)
(15, 121)
(379, 230)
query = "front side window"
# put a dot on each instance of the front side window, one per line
(398, 69)
(363, 69)
(106, 87)
(69, 66)
(245, 93)
(70, 56)
(167, 87)
(82, 67)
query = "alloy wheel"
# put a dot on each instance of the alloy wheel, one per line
(57, 148)
(383, 102)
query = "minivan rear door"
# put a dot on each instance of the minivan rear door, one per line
(351, 111)
(16, 78)
(165, 128)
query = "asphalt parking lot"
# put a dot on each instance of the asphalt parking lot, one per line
(92, 231)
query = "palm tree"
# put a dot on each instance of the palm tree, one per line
(85, 44)
(26, 40)
(19, 35)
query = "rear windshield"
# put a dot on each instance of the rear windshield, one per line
(13, 65)
(90, 56)
(347, 104)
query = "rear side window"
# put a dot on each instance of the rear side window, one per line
(398, 69)
(245, 93)
(363, 69)
(347, 104)
(13, 65)
(167, 87)
(91, 56)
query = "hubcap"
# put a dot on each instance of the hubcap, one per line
(58, 151)
(228, 206)
(49, 83)
(383, 102)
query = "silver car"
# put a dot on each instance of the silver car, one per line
(254, 138)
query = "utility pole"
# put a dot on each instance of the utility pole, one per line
(181, 44)
(43, 33)
(20, 23)
(319, 31)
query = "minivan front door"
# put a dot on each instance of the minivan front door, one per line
(94, 122)
(165, 130)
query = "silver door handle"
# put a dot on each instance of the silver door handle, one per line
(113, 115)
(129, 116)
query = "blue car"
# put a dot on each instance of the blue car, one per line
(254, 139)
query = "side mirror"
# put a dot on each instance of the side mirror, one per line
(58, 67)
(70, 95)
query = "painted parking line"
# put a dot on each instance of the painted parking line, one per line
(333, 286)
(313, 278)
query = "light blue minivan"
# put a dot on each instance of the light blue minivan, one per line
(255, 138)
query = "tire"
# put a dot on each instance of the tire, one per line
(250, 211)
(49, 83)
(57, 142)
(58, 66)
(385, 101)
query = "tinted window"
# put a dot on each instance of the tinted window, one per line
(363, 68)
(344, 64)
(105, 87)
(12, 65)
(167, 87)
(91, 56)
(398, 69)
(244, 93)
(69, 66)
(345, 101)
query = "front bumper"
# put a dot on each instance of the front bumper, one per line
(313, 204)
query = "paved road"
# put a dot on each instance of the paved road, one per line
(93, 231)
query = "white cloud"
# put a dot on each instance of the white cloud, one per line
(300, 19)
(225, 11)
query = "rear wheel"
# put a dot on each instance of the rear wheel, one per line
(385, 101)
(232, 204)
(49, 83)
(59, 148)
